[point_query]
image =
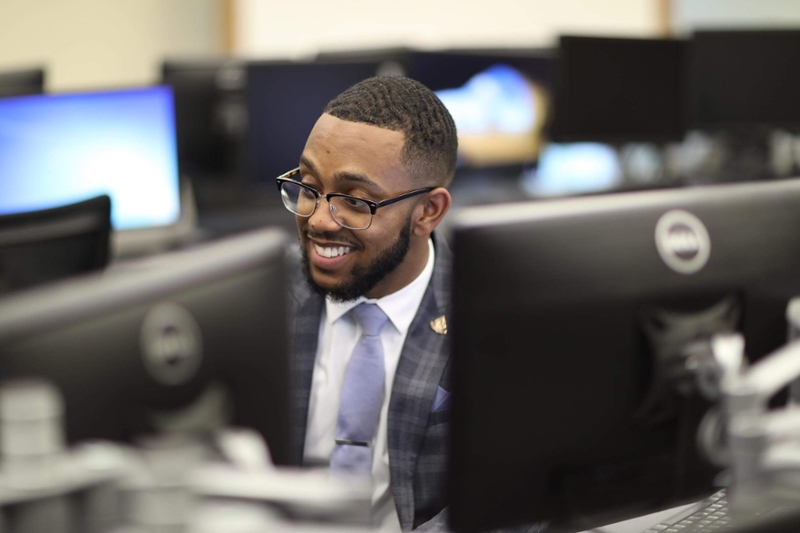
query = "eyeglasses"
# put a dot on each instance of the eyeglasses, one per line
(348, 211)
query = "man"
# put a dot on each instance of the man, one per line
(368, 195)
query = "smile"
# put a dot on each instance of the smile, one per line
(332, 251)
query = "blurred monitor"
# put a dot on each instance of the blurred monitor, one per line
(21, 82)
(562, 407)
(574, 168)
(56, 149)
(449, 68)
(497, 97)
(188, 341)
(284, 101)
(42, 246)
(618, 90)
(745, 78)
(210, 114)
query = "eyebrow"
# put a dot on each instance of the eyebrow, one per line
(358, 178)
(307, 163)
(345, 176)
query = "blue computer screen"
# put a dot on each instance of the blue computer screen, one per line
(59, 149)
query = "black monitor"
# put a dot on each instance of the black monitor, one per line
(210, 116)
(21, 82)
(745, 78)
(202, 331)
(570, 320)
(619, 90)
(447, 68)
(499, 101)
(42, 246)
(284, 102)
(498, 98)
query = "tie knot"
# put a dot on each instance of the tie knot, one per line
(371, 318)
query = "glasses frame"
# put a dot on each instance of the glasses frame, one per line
(373, 206)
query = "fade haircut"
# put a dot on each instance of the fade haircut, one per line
(402, 104)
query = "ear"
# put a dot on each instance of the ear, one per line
(430, 211)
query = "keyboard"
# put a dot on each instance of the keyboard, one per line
(709, 515)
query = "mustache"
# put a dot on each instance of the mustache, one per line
(330, 237)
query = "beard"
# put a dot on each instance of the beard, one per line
(364, 278)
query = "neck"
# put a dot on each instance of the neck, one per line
(411, 267)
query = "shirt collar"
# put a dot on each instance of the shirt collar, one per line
(400, 306)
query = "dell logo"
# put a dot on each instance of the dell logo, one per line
(171, 344)
(682, 241)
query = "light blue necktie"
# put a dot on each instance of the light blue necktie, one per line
(362, 394)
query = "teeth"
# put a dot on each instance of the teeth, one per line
(332, 251)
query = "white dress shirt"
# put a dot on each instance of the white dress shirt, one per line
(338, 334)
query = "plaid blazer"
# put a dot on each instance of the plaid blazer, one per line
(418, 434)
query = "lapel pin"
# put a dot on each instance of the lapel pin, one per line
(439, 325)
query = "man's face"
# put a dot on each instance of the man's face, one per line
(364, 161)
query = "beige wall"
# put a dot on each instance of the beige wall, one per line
(106, 43)
(688, 15)
(299, 27)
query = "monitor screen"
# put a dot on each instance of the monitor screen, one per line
(58, 149)
(561, 349)
(21, 82)
(745, 78)
(617, 90)
(499, 114)
(574, 168)
(185, 341)
(284, 101)
(498, 97)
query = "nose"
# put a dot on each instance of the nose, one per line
(322, 219)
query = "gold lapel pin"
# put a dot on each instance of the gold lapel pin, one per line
(439, 325)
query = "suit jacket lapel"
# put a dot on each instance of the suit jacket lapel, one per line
(306, 311)
(419, 371)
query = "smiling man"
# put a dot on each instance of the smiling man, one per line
(369, 317)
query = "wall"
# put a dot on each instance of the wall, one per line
(301, 27)
(106, 43)
(691, 14)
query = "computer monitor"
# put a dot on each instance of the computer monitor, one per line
(166, 344)
(41, 246)
(619, 90)
(211, 116)
(21, 82)
(498, 97)
(573, 168)
(56, 149)
(745, 79)
(567, 319)
(499, 101)
(284, 101)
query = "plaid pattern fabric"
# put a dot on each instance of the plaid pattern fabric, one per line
(417, 437)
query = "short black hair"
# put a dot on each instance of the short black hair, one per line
(405, 105)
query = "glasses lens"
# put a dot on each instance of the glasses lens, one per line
(351, 212)
(298, 199)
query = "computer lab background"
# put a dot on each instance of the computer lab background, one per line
(99, 45)
(90, 45)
